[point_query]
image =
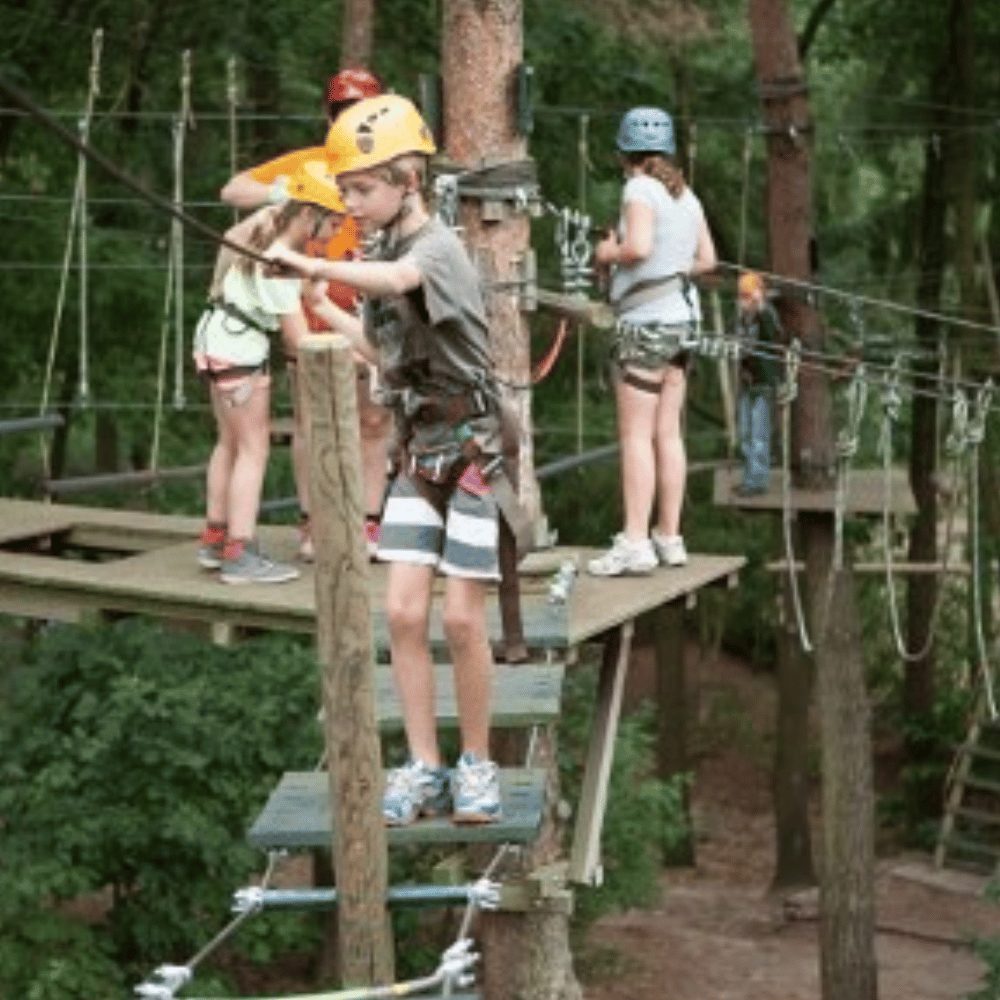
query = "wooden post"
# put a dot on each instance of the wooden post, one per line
(671, 709)
(344, 645)
(480, 127)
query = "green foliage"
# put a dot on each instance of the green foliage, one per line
(988, 951)
(645, 820)
(132, 761)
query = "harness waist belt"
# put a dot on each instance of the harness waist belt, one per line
(643, 292)
(236, 313)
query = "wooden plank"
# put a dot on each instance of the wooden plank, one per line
(585, 853)
(523, 695)
(577, 307)
(963, 883)
(864, 493)
(297, 815)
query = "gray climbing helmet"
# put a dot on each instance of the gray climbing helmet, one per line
(646, 130)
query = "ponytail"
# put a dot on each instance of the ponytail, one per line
(661, 168)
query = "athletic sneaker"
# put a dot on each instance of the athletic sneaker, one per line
(210, 554)
(211, 543)
(670, 549)
(475, 789)
(249, 565)
(625, 558)
(414, 790)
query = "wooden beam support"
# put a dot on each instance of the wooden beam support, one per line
(585, 854)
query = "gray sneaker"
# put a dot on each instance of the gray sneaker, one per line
(251, 566)
(210, 555)
(414, 790)
(475, 787)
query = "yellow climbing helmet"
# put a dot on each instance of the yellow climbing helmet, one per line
(375, 131)
(314, 182)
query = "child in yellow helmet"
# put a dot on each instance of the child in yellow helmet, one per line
(232, 346)
(425, 321)
(269, 183)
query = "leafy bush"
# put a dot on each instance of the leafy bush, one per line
(131, 760)
(645, 818)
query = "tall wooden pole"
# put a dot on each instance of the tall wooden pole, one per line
(358, 31)
(481, 47)
(847, 917)
(344, 644)
(525, 955)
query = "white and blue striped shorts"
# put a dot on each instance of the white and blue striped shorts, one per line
(462, 545)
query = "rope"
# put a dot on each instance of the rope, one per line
(888, 304)
(166, 980)
(183, 121)
(890, 414)
(23, 100)
(83, 386)
(975, 436)
(74, 216)
(547, 362)
(232, 101)
(161, 364)
(846, 448)
(785, 396)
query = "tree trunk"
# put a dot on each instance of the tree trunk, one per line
(793, 864)
(357, 34)
(847, 891)
(480, 127)
(941, 162)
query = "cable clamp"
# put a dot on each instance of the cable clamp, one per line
(172, 978)
(484, 892)
(248, 900)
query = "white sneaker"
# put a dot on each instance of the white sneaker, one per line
(625, 558)
(670, 549)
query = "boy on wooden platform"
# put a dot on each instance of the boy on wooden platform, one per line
(424, 322)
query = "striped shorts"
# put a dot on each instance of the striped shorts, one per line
(462, 545)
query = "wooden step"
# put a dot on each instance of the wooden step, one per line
(979, 816)
(954, 842)
(297, 815)
(982, 784)
(523, 695)
(978, 750)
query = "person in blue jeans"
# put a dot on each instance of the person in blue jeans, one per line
(757, 326)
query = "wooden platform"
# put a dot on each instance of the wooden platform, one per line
(65, 562)
(297, 815)
(865, 489)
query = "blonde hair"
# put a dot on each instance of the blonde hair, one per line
(662, 168)
(270, 227)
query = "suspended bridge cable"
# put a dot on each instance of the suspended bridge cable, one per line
(76, 208)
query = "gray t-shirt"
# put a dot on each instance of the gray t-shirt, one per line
(436, 335)
(677, 223)
(435, 339)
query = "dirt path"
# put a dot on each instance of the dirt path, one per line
(717, 934)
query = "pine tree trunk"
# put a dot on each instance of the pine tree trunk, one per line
(847, 959)
(357, 34)
(481, 47)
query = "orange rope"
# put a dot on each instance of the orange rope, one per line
(548, 360)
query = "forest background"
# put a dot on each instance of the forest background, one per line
(906, 120)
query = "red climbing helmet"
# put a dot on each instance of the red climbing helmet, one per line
(352, 84)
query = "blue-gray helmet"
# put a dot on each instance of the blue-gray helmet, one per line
(646, 130)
